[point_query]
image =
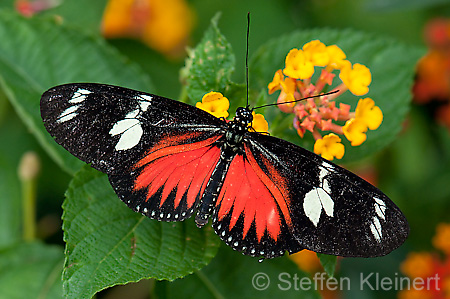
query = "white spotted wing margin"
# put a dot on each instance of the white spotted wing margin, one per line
(112, 127)
(333, 210)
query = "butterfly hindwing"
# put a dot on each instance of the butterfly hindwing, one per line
(251, 213)
(168, 182)
(332, 210)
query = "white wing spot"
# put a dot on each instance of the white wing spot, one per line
(130, 129)
(131, 133)
(79, 96)
(380, 208)
(319, 198)
(68, 114)
(316, 200)
(145, 102)
(375, 227)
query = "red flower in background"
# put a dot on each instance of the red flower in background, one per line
(28, 8)
(428, 265)
(433, 70)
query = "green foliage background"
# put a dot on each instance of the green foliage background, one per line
(105, 243)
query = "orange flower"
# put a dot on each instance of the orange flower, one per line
(418, 265)
(441, 240)
(428, 267)
(162, 25)
(306, 260)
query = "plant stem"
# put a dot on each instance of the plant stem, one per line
(28, 173)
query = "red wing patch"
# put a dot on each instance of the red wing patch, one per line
(176, 176)
(249, 193)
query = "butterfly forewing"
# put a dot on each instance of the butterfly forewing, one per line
(112, 127)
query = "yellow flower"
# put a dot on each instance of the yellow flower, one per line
(355, 131)
(298, 66)
(276, 82)
(367, 112)
(214, 103)
(162, 25)
(442, 238)
(356, 78)
(336, 57)
(418, 264)
(259, 123)
(329, 146)
(316, 52)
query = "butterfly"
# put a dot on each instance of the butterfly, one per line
(168, 161)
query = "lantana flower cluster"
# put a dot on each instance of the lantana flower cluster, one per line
(322, 114)
(428, 270)
(218, 105)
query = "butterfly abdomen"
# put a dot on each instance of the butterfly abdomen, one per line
(213, 187)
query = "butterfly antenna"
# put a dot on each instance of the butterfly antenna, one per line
(299, 100)
(246, 54)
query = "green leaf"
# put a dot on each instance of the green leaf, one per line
(328, 263)
(85, 14)
(232, 275)
(392, 66)
(39, 53)
(210, 65)
(31, 270)
(108, 244)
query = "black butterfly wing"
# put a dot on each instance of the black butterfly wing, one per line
(112, 127)
(158, 153)
(319, 206)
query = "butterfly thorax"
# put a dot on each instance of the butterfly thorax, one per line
(237, 129)
(232, 145)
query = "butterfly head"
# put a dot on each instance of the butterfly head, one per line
(243, 116)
